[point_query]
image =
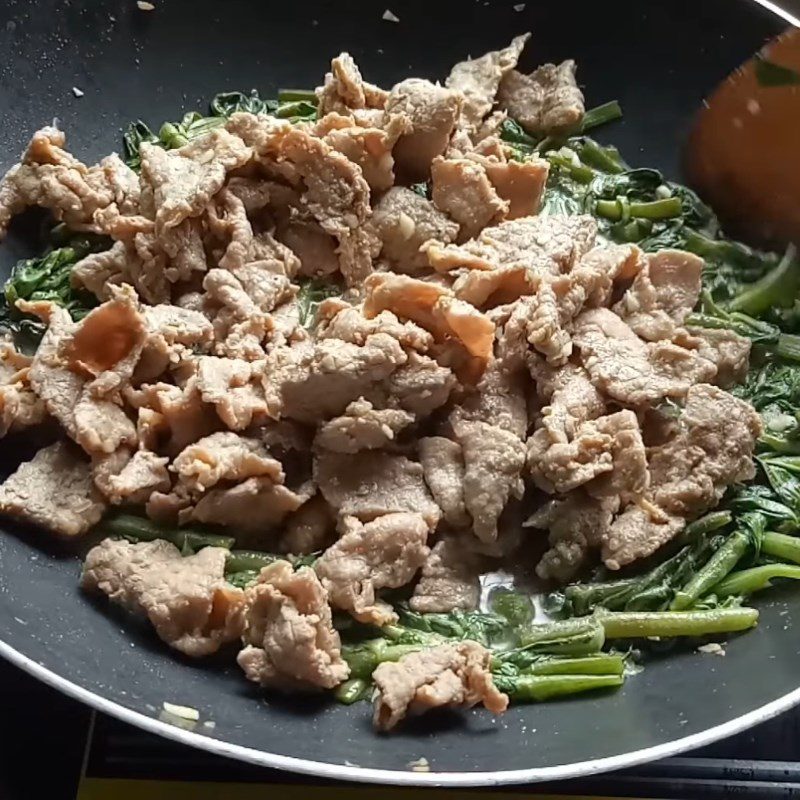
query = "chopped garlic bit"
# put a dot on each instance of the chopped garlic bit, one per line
(420, 765)
(712, 649)
(519, 7)
(210, 724)
(184, 712)
(77, 92)
(143, 5)
(390, 16)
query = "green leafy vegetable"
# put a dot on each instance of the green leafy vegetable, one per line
(188, 539)
(516, 607)
(227, 103)
(312, 292)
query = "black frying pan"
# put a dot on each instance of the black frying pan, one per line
(659, 59)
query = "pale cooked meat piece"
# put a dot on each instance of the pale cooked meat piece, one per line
(171, 417)
(549, 244)
(421, 385)
(362, 427)
(479, 78)
(630, 371)
(338, 320)
(725, 349)
(637, 533)
(54, 490)
(370, 484)
(432, 112)
(486, 289)
(433, 308)
(662, 294)
(443, 468)
(187, 599)
(370, 148)
(499, 398)
(50, 177)
(713, 449)
(461, 189)
(520, 184)
(446, 675)
(253, 507)
(312, 527)
(345, 90)
(450, 579)
(544, 102)
(493, 460)
(336, 193)
(20, 408)
(577, 525)
(629, 476)
(233, 387)
(290, 642)
(126, 478)
(184, 180)
(309, 382)
(404, 221)
(383, 554)
(97, 425)
(224, 456)
(107, 343)
(315, 248)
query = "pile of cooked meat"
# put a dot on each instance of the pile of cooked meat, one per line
(477, 353)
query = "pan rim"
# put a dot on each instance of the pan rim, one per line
(344, 772)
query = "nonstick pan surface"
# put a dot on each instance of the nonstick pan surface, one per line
(659, 60)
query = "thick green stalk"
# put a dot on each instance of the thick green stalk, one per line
(665, 624)
(242, 560)
(781, 545)
(297, 96)
(351, 691)
(575, 637)
(747, 581)
(667, 208)
(601, 115)
(364, 657)
(599, 664)
(584, 597)
(717, 567)
(538, 688)
(776, 288)
(141, 529)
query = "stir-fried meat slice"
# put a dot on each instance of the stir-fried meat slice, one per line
(234, 388)
(362, 427)
(493, 460)
(370, 148)
(712, 450)
(184, 180)
(372, 483)
(725, 349)
(544, 102)
(478, 80)
(432, 112)
(577, 525)
(544, 245)
(421, 385)
(637, 533)
(662, 294)
(383, 554)
(20, 408)
(519, 184)
(171, 417)
(450, 579)
(312, 527)
(433, 308)
(609, 446)
(345, 90)
(312, 382)
(126, 478)
(187, 599)
(404, 221)
(630, 371)
(490, 288)
(315, 248)
(290, 641)
(254, 507)
(99, 426)
(336, 193)
(50, 177)
(461, 189)
(447, 675)
(54, 490)
(443, 468)
(338, 320)
(224, 456)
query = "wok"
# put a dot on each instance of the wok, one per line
(658, 59)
